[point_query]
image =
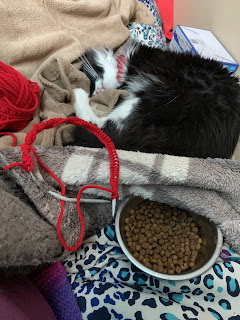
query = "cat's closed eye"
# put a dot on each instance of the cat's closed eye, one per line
(101, 68)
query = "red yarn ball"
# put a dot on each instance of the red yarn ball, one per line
(18, 99)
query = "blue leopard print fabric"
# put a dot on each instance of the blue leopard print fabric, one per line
(108, 286)
(151, 36)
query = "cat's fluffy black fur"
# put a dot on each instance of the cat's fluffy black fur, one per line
(193, 109)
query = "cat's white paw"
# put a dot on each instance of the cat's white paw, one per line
(84, 110)
(81, 102)
(81, 96)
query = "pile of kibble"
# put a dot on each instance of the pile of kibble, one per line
(163, 238)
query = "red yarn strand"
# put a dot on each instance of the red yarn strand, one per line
(28, 164)
(10, 134)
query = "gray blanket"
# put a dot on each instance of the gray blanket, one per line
(28, 231)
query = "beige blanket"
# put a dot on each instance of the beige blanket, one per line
(41, 38)
(33, 30)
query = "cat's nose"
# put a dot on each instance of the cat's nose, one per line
(98, 90)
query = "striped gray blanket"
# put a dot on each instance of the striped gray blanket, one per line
(209, 187)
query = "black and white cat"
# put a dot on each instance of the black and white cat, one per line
(178, 104)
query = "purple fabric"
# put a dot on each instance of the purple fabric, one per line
(21, 300)
(52, 282)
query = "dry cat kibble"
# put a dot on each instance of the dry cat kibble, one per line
(163, 238)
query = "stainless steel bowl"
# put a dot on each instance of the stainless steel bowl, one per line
(208, 254)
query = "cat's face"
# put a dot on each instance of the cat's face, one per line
(101, 68)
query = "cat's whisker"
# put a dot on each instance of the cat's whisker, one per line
(94, 75)
(86, 62)
(172, 100)
(89, 65)
(86, 66)
(90, 71)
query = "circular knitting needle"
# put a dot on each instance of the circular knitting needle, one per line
(58, 196)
